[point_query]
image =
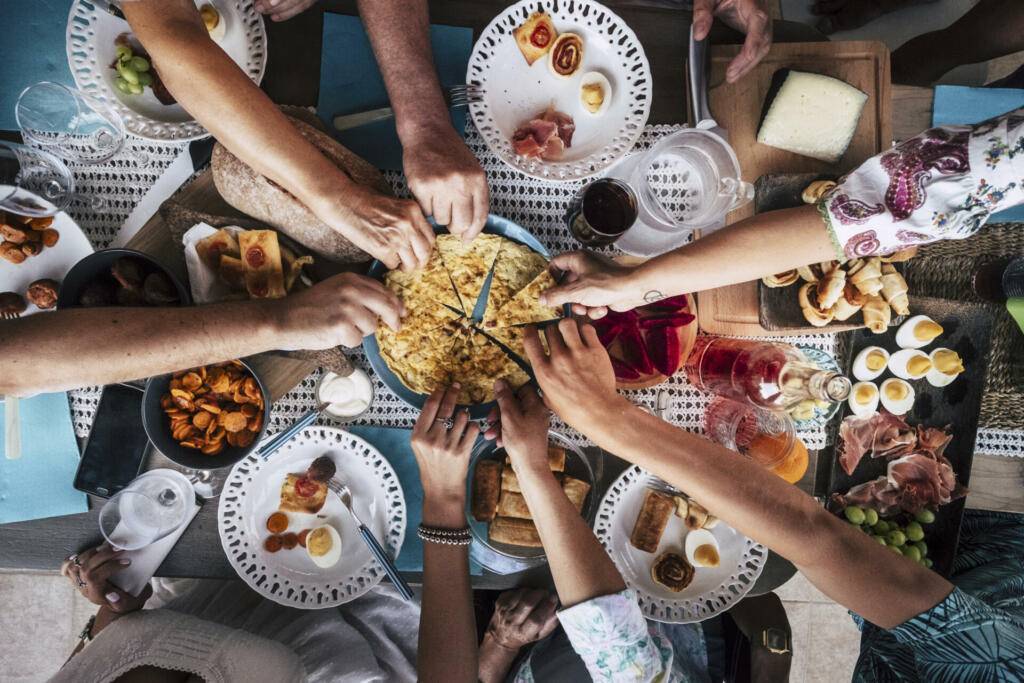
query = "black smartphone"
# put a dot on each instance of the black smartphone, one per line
(117, 443)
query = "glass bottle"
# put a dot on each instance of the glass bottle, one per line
(770, 375)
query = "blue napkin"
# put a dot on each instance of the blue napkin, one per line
(394, 445)
(39, 483)
(958, 104)
(350, 82)
(33, 50)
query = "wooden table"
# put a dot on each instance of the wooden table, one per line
(292, 77)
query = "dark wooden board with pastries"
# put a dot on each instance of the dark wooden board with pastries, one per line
(967, 329)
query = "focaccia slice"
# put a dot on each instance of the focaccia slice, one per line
(536, 46)
(261, 256)
(516, 266)
(232, 272)
(468, 264)
(211, 248)
(525, 306)
(301, 494)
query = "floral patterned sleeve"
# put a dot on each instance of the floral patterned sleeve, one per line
(612, 637)
(942, 184)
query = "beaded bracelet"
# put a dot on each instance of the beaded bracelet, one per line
(444, 536)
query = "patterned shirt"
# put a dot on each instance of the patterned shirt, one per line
(942, 184)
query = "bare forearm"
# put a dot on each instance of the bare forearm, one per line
(447, 643)
(400, 33)
(579, 565)
(211, 87)
(89, 346)
(844, 563)
(762, 245)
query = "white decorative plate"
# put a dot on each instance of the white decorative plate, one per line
(90, 48)
(515, 92)
(53, 262)
(289, 577)
(713, 590)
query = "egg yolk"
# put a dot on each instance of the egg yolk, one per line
(319, 542)
(876, 360)
(919, 365)
(926, 330)
(593, 96)
(706, 555)
(896, 391)
(865, 394)
(948, 362)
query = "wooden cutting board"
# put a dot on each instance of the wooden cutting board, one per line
(737, 108)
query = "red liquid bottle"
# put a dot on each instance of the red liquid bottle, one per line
(769, 375)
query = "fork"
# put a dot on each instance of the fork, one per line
(336, 485)
(9, 315)
(12, 428)
(455, 96)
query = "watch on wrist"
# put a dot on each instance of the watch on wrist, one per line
(776, 641)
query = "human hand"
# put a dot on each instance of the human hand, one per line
(577, 377)
(90, 570)
(447, 180)
(522, 616)
(746, 16)
(279, 10)
(389, 229)
(443, 453)
(520, 424)
(339, 310)
(593, 284)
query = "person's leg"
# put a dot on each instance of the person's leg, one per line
(842, 15)
(755, 616)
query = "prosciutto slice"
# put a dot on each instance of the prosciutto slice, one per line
(545, 136)
(883, 434)
(912, 483)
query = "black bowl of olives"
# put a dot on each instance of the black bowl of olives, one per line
(121, 277)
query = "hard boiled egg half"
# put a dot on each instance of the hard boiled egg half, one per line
(701, 548)
(323, 545)
(917, 331)
(897, 396)
(214, 21)
(946, 365)
(910, 364)
(595, 93)
(870, 363)
(863, 398)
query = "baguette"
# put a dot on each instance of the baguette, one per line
(651, 522)
(514, 532)
(485, 491)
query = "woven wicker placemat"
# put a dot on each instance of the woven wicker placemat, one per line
(944, 269)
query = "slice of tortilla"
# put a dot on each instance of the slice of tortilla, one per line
(468, 264)
(525, 306)
(517, 265)
(431, 281)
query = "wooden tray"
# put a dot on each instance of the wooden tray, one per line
(737, 107)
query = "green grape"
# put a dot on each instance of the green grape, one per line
(123, 85)
(145, 78)
(897, 550)
(925, 516)
(911, 552)
(896, 538)
(880, 527)
(870, 517)
(854, 514)
(140, 63)
(928, 562)
(914, 531)
(920, 545)
(136, 88)
(128, 74)
(123, 53)
(880, 539)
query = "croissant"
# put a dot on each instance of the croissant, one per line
(816, 190)
(877, 313)
(894, 289)
(849, 303)
(780, 279)
(867, 276)
(809, 304)
(811, 273)
(830, 288)
(901, 255)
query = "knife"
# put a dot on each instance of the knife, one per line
(109, 7)
(193, 158)
(698, 74)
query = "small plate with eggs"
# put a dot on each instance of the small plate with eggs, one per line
(291, 539)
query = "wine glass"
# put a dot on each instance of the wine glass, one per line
(28, 175)
(71, 124)
(153, 506)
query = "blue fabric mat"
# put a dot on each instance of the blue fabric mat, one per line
(958, 104)
(350, 82)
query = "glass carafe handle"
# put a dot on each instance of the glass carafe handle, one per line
(738, 191)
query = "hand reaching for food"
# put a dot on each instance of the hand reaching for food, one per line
(523, 423)
(594, 283)
(746, 16)
(389, 229)
(90, 571)
(340, 310)
(522, 616)
(442, 443)
(280, 10)
(447, 181)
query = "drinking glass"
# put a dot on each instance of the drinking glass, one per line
(153, 506)
(28, 174)
(71, 124)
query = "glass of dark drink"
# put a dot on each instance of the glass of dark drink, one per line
(602, 212)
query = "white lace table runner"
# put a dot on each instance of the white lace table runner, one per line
(539, 206)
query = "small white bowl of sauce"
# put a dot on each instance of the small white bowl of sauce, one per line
(346, 398)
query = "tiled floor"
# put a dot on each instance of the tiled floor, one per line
(825, 641)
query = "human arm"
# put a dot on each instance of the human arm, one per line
(521, 616)
(211, 87)
(80, 347)
(281, 10)
(747, 16)
(447, 648)
(848, 566)
(442, 172)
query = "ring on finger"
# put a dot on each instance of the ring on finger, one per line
(74, 560)
(448, 423)
(81, 584)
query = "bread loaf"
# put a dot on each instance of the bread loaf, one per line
(255, 195)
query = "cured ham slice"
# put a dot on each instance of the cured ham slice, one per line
(546, 136)
(913, 482)
(883, 434)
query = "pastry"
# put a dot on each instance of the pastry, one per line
(43, 293)
(514, 532)
(866, 274)
(535, 36)
(513, 505)
(808, 298)
(261, 258)
(485, 490)
(696, 515)
(651, 522)
(816, 190)
(830, 288)
(781, 279)
(576, 490)
(877, 313)
(566, 55)
(849, 303)
(672, 571)
(894, 289)
(900, 256)
(301, 494)
(210, 248)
